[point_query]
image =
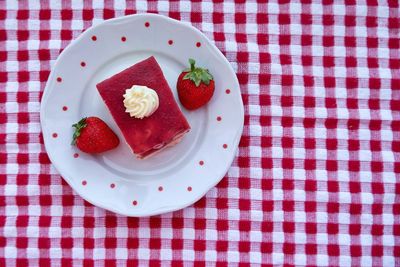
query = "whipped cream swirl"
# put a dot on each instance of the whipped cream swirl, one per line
(140, 101)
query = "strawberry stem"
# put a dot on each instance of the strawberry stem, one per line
(192, 63)
(78, 128)
(197, 75)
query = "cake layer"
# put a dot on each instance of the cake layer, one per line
(144, 136)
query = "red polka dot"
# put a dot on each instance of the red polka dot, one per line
(189, 188)
(160, 188)
(65, 108)
(170, 42)
(55, 135)
(134, 203)
(147, 24)
(76, 155)
(84, 182)
(94, 38)
(225, 146)
(112, 185)
(201, 162)
(83, 64)
(59, 79)
(123, 38)
(219, 118)
(227, 91)
(198, 44)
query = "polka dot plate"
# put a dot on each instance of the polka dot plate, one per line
(117, 180)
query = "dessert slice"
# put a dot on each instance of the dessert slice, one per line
(149, 135)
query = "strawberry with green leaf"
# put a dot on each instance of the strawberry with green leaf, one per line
(195, 86)
(93, 135)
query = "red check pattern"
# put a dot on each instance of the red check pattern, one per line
(317, 177)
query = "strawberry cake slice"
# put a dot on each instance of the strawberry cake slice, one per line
(149, 135)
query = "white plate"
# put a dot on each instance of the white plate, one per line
(116, 180)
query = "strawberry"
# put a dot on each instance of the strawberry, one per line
(92, 135)
(195, 86)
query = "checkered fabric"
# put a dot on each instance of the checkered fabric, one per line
(316, 180)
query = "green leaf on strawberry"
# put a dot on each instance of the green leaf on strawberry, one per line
(197, 75)
(78, 128)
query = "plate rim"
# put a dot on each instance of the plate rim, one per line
(161, 210)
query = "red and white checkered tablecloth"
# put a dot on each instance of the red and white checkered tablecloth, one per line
(317, 177)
